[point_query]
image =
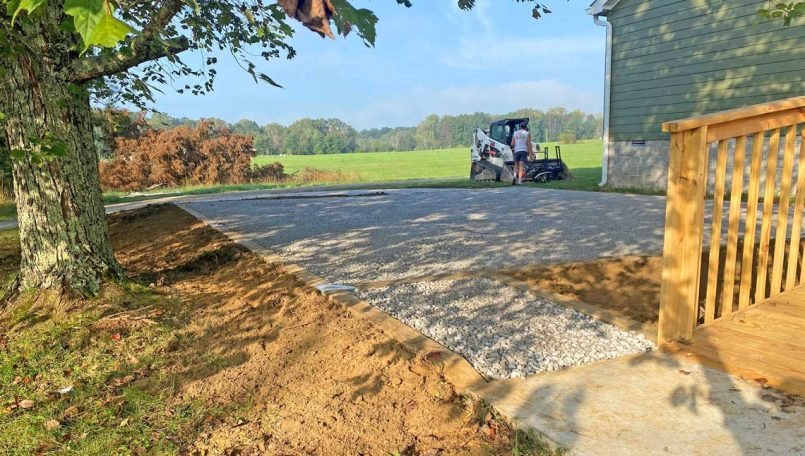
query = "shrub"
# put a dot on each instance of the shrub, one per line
(268, 172)
(205, 154)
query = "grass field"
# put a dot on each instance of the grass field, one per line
(583, 158)
(441, 168)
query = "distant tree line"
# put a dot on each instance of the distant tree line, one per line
(333, 136)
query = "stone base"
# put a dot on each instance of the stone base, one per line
(643, 165)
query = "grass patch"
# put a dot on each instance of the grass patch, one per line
(90, 380)
(9, 256)
(439, 168)
(8, 208)
(523, 442)
(438, 164)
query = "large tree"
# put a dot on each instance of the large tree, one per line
(58, 55)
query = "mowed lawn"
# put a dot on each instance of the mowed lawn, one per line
(584, 159)
(421, 168)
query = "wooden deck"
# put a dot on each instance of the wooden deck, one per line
(766, 341)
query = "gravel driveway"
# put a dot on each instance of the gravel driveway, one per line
(358, 237)
(502, 331)
(408, 233)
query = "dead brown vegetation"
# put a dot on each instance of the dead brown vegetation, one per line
(201, 155)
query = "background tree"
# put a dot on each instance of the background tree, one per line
(246, 127)
(427, 133)
(271, 141)
(111, 123)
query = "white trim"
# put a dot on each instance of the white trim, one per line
(600, 7)
(607, 90)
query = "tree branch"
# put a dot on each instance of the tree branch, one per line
(88, 68)
(145, 47)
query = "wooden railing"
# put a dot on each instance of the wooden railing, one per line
(698, 290)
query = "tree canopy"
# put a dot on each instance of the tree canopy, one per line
(127, 49)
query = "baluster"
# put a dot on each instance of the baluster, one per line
(728, 293)
(750, 225)
(782, 211)
(768, 206)
(715, 235)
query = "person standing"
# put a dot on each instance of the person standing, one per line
(521, 146)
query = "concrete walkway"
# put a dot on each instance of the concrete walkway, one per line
(649, 405)
(645, 405)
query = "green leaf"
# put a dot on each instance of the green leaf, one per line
(95, 22)
(17, 6)
(346, 16)
(267, 79)
(108, 32)
(85, 13)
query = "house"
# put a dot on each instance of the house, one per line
(673, 59)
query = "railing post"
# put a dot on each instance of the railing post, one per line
(684, 228)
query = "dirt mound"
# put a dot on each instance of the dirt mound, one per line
(296, 373)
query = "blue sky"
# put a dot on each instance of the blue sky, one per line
(430, 58)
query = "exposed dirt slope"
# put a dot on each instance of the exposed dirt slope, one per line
(298, 374)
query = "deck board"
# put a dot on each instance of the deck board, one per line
(763, 342)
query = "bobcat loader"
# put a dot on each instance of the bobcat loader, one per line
(493, 159)
(492, 156)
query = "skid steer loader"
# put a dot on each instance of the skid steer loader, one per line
(493, 159)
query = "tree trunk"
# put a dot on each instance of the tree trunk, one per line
(63, 231)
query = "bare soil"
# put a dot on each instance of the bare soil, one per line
(630, 286)
(296, 373)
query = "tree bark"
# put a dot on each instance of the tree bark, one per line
(63, 232)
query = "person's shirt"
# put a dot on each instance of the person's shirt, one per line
(520, 140)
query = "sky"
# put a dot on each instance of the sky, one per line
(432, 58)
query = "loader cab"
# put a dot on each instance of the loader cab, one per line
(503, 130)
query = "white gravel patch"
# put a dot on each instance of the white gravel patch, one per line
(502, 331)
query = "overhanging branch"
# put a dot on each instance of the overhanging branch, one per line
(145, 47)
(88, 68)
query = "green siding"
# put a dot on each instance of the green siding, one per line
(676, 59)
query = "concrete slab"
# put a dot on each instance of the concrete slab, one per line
(652, 404)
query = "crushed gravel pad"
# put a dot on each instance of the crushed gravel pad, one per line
(502, 331)
(417, 232)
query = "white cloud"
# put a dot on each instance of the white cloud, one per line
(411, 107)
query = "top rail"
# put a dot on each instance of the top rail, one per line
(796, 105)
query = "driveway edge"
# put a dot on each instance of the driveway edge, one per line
(455, 369)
